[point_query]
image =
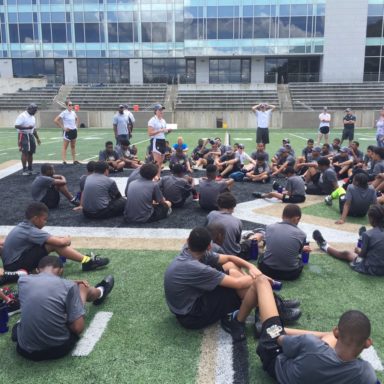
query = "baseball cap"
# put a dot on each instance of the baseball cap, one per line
(121, 106)
(344, 149)
(241, 146)
(325, 108)
(282, 149)
(32, 108)
(348, 110)
(286, 140)
(316, 149)
(158, 107)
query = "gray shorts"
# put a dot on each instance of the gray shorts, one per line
(26, 143)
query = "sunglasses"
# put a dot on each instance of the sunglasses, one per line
(70, 105)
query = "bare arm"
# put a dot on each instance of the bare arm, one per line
(253, 271)
(152, 132)
(77, 326)
(59, 241)
(58, 121)
(345, 212)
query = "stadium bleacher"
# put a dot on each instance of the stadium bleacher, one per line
(336, 96)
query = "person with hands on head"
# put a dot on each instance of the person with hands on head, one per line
(263, 113)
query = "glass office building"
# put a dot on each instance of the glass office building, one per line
(175, 41)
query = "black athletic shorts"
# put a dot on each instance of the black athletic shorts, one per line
(121, 138)
(51, 198)
(294, 199)
(160, 212)
(324, 130)
(268, 348)
(314, 189)
(262, 135)
(210, 307)
(348, 134)
(70, 135)
(278, 274)
(26, 143)
(158, 146)
(28, 260)
(115, 208)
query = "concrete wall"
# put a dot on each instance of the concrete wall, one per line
(14, 84)
(6, 69)
(136, 71)
(70, 71)
(344, 40)
(46, 118)
(257, 69)
(202, 70)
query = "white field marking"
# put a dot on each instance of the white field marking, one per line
(51, 154)
(243, 138)
(300, 137)
(91, 138)
(91, 158)
(4, 153)
(93, 334)
(366, 139)
(139, 142)
(224, 367)
(371, 356)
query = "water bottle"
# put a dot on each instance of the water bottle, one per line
(254, 251)
(3, 317)
(277, 285)
(359, 241)
(305, 255)
(280, 189)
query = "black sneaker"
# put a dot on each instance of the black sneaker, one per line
(13, 307)
(318, 237)
(257, 195)
(257, 329)
(362, 230)
(74, 202)
(290, 303)
(108, 283)
(275, 185)
(288, 315)
(96, 262)
(231, 325)
(10, 277)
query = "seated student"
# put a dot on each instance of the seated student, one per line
(358, 198)
(370, 258)
(124, 153)
(199, 151)
(112, 158)
(300, 356)
(134, 175)
(335, 146)
(342, 162)
(326, 183)
(226, 164)
(309, 168)
(261, 172)
(177, 187)
(326, 150)
(378, 168)
(180, 145)
(167, 152)
(243, 157)
(210, 155)
(48, 186)
(179, 157)
(368, 162)
(209, 188)
(260, 150)
(294, 191)
(27, 244)
(233, 226)
(90, 170)
(357, 155)
(307, 152)
(282, 160)
(217, 232)
(199, 295)
(284, 242)
(145, 202)
(52, 310)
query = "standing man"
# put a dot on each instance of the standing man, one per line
(325, 121)
(349, 122)
(130, 118)
(120, 126)
(263, 114)
(68, 122)
(26, 129)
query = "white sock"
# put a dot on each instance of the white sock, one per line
(325, 247)
(101, 289)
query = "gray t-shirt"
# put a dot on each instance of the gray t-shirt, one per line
(22, 238)
(295, 186)
(372, 251)
(378, 168)
(187, 279)
(141, 193)
(209, 191)
(175, 189)
(306, 359)
(121, 122)
(360, 199)
(284, 242)
(99, 191)
(48, 305)
(257, 153)
(327, 180)
(233, 228)
(135, 175)
(40, 187)
(259, 169)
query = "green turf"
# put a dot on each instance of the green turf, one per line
(331, 212)
(91, 141)
(143, 342)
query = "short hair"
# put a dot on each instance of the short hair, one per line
(291, 210)
(376, 215)
(149, 171)
(108, 143)
(124, 142)
(356, 143)
(289, 171)
(326, 145)
(379, 151)
(100, 167)
(226, 200)
(337, 140)
(50, 261)
(310, 141)
(199, 239)
(91, 166)
(216, 229)
(260, 157)
(45, 168)
(211, 169)
(36, 209)
(200, 142)
(371, 148)
(361, 179)
(68, 102)
(324, 161)
(354, 328)
(177, 169)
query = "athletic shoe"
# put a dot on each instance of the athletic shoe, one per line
(378, 193)
(362, 230)
(13, 307)
(287, 314)
(257, 329)
(107, 283)
(195, 196)
(275, 185)
(257, 195)
(245, 178)
(321, 242)
(74, 202)
(169, 211)
(95, 263)
(64, 162)
(289, 303)
(12, 277)
(328, 200)
(231, 325)
(76, 162)
(219, 178)
(25, 172)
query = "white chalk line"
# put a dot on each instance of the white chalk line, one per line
(371, 356)
(93, 334)
(224, 366)
(299, 137)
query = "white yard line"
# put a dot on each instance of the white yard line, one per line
(224, 367)
(299, 137)
(371, 356)
(93, 334)
(89, 159)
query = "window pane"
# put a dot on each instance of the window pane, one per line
(374, 26)
(125, 33)
(372, 65)
(13, 33)
(179, 32)
(146, 32)
(92, 32)
(46, 32)
(190, 29)
(159, 32)
(225, 28)
(261, 27)
(262, 10)
(372, 50)
(59, 33)
(112, 32)
(247, 28)
(211, 28)
(79, 32)
(298, 26)
(26, 33)
(319, 26)
(284, 27)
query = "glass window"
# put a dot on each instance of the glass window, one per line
(372, 65)
(225, 28)
(159, 32)
(190, 12)
(319, 31)
(91, 17)
(226, 11)
(26, 33)
(58, 17)
(112, 16)
(248, 11)
(12, 17)
(146, 32)
(13, 33)
(179, 31)
(261, 25)
(25, 17)
(190, 29)
(375, 9)
(284, 10)
(262, 10)
(125, 33)
(372, 50)
(247, 28)
(92, 34)
(112, 32)
(79, 17)
(298, 10)
(298, 26)
(374, 26)
(212, 12)
(284, 27)
(211, 28)
(79, 32)
(59, 33)
(46, 33)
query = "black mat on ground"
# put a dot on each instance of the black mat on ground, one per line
(15, 196)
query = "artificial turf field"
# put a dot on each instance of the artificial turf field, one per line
(143, 343)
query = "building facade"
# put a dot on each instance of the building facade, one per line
(192, 41)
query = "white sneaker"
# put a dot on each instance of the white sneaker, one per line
(328, 200)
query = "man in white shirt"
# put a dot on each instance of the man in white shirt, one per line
(325, 122)
(130, 118)
(26, 128)
(263, 113)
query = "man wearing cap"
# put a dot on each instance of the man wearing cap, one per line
(309, 168)
(26, 128)
(349, 122)
(325, 121)
(157, 129)
(283, 160)
(342, 162)
(263, 114)
(130, 118)
(120, 126)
